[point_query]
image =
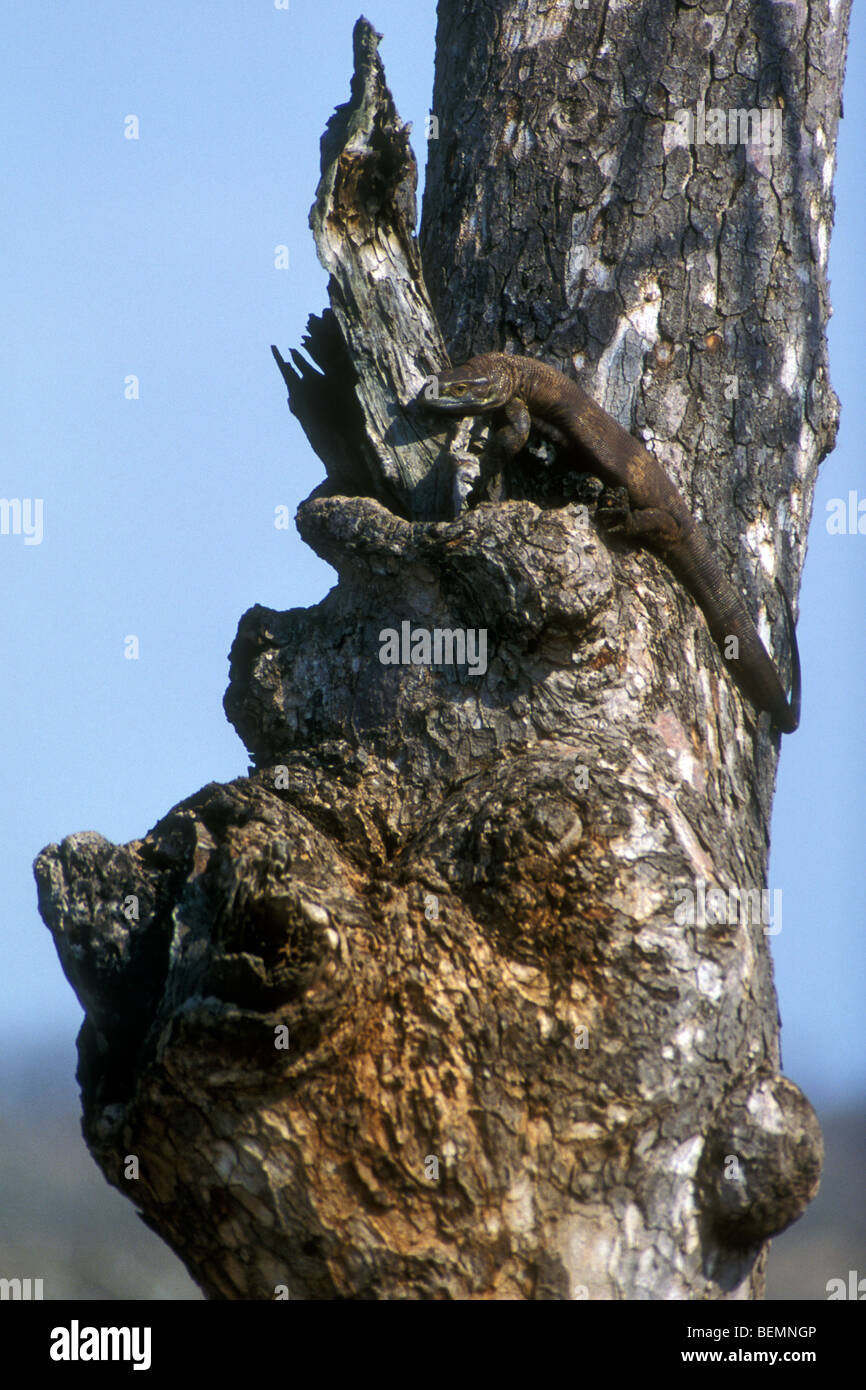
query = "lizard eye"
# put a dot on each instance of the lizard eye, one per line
(458, 390)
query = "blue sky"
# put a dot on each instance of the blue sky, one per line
(155, 257)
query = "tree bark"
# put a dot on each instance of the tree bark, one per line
(461, 994)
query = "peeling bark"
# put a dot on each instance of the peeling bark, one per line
(459, 993)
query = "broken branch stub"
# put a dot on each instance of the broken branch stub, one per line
(381, 341)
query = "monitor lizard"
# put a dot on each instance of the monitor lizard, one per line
(656, 516)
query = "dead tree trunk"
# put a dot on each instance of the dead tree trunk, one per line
(461, 993)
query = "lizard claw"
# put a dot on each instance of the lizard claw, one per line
(613, 510)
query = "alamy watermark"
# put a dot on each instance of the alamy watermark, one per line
(20, 1289)
(77, 1343)
(703, 906)
(855, 1288)
(757, 125)
(22, 516)
(441, 646)
(847, 516)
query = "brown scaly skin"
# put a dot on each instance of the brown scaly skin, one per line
(657, 517)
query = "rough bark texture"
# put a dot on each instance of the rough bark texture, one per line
(514, 1068)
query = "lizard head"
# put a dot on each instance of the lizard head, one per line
(479, 385)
